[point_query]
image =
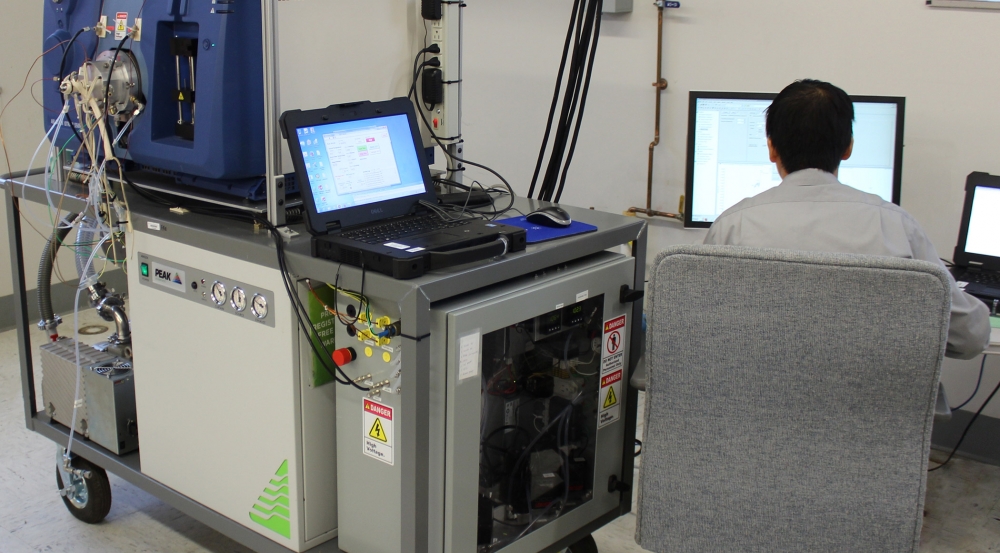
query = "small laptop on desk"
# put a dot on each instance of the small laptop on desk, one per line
(977, 255)
(365, 176)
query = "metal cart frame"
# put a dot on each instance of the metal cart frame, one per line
(415, 298)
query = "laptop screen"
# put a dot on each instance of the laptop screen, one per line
(984, 225)
(360, 162)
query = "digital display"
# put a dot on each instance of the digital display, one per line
(356, 163)
(731, 160)
(984, 225)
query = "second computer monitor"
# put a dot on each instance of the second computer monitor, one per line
(727, 158)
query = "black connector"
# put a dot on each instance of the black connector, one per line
(432, 88)
(430, 9)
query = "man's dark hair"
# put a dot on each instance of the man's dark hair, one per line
(810, 124)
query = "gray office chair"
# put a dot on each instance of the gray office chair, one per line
(790, 400)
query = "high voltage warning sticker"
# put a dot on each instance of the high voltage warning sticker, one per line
(613, 348)
(377, 431)
(610, 398)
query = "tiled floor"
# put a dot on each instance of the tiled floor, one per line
(963, 500)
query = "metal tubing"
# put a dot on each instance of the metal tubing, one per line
(191, 71)
(660, 85)
(272, 137)
(20, 301)
(180, 108)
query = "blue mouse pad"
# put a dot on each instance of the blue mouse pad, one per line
(539, 233)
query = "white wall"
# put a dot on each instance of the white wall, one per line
(22, 122)
(22, 130)
(943, 61)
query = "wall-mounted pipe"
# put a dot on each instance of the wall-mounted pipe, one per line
(660, 85)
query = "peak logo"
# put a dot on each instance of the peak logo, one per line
(169, 277)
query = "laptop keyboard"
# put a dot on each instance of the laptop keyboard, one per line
(982, 277)
(394, 230)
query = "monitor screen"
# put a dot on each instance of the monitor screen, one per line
(360, 162)
(728, 157)
(983, 237)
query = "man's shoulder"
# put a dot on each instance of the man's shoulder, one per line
(799, 197)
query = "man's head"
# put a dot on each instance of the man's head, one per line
(810, 126)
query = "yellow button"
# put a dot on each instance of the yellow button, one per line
(386, 357)
(368, 352)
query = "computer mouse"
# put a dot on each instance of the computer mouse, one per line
(550, 216)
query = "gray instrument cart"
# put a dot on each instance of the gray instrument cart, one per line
(506, 381)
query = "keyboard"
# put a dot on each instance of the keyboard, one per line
(987, 278)
(396, 229)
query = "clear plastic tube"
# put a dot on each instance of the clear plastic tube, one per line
(76, 351)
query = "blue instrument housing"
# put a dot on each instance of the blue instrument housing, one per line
(209, 132)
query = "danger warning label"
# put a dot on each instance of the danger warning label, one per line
(121, 23)
(613, 348)
(610, 399)
(377, 431)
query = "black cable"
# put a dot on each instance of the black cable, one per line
(555, 96)
(638, 444)
(982, 366)
(413, 93)
(583, 101)
(107, 86)
(568, 104)
(97, 43)
(62, 75)
(967, 427)
(590, 20)
(361, 301)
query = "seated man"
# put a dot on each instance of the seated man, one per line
(809, 132)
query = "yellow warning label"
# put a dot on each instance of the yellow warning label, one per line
(378, 432)
(180, 96)
(609, 401)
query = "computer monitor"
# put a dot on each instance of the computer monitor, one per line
(727, 157)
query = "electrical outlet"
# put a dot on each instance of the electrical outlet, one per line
(437, 35)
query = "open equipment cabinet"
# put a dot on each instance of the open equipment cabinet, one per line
(496, 382)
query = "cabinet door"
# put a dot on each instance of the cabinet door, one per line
(533, 412)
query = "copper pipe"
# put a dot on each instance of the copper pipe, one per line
(660, 85)
(654, 213)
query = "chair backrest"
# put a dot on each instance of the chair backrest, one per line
(790, 400)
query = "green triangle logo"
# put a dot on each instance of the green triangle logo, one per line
(271, 509)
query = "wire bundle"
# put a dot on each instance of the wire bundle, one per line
(583, 34)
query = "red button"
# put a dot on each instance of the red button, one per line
(344, 356)
(435, 123)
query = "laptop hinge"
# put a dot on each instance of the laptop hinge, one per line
(976, 264)
(332, 226)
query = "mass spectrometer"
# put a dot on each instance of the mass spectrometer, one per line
(186, 84)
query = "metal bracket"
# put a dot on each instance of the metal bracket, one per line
(287, 234)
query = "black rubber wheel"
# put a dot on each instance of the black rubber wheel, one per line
(586, 545)
(90, 501)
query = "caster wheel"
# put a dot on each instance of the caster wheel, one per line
(586, 545)
(88, 499)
